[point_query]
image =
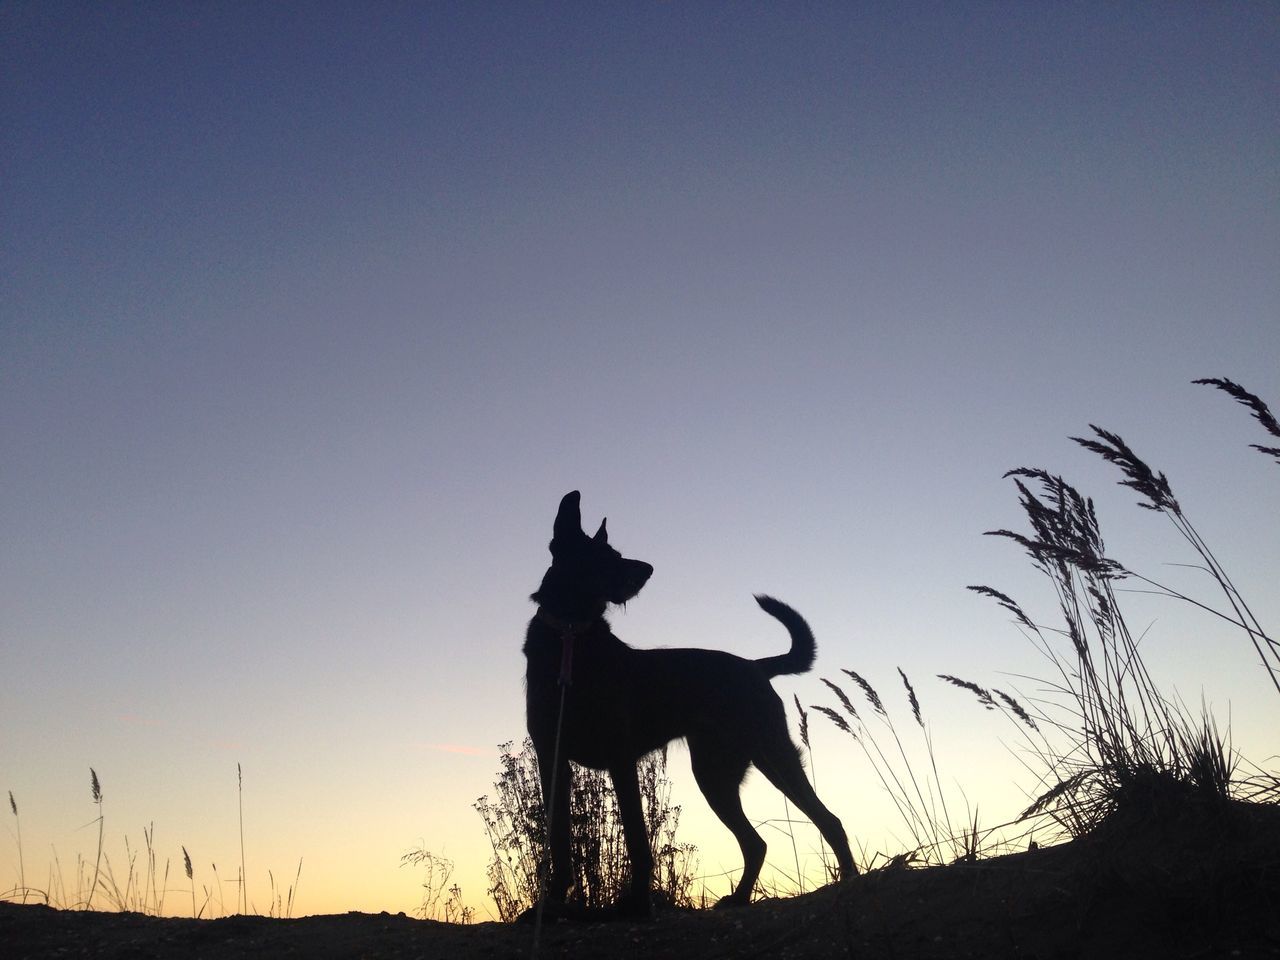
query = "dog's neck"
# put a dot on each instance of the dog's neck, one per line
(566, 629)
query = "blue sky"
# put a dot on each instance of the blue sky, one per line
(312, 312)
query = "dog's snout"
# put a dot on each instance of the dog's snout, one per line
(631, 577)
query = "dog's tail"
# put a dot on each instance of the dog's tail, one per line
(803, 647)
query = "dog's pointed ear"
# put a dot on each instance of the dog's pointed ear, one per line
(602, 535)
(569, 517)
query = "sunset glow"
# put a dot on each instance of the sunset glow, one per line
(311, 313)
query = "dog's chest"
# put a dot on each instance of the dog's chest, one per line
(596, 694)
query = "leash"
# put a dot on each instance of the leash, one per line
(565, 678)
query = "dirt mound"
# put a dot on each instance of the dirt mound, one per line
(1188, 880)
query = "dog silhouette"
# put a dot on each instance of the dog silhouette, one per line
(593, 699)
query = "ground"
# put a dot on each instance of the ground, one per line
(1190, 885)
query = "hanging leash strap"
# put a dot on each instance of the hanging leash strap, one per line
(566, 667)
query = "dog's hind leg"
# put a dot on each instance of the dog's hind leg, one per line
(778, 759)
(626, 786)
(719, 772)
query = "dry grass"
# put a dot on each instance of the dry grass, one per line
(1261, 412)
(441, 900)
(141, 885)
(910, 776)
(22, 867)
(1102, 732)
(1105, 731)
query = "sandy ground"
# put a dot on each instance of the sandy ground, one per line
(1176, 887)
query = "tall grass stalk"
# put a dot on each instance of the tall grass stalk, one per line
(789, 829)
(829, 868)
(157, 892)
(217, 887)
(1155, 494)
(795, 850)
(293, 888)
(186, 862)
(1117, 721)
(1261, 412)
(55, 872)
(96, 792)
(1121, 734)
(244, 876)
(919, 799)
(136, 884)
(280, 906)
(17, 825)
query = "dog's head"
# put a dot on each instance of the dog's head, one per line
(586, 573)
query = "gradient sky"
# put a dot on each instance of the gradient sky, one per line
(312, 312)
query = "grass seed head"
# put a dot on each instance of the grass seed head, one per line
(1017, 708)
(911, 696)
(844, 700)
(1005, 601)
(1260, 410)
(872, 697)
(984, 696)
(834, 717)
(1151, 484)
(804, 724)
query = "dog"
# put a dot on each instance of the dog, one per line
(592, 699)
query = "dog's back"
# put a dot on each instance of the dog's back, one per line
(632, 701)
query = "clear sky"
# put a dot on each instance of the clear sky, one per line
(311, 312)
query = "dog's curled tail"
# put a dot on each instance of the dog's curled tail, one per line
(803, 647)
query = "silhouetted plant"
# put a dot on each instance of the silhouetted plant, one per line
(17, 825)
(919, 799)
(244, 876)
(284, 903)
(1121, 733)
(1154, 488)
(435, 885)
(186, 863)
(138, 887)
(829, 866)
(516, 827)
(96, 792)
(1261, 412)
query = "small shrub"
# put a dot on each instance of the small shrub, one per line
(516, 827)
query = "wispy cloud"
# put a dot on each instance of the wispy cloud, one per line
(457, 748)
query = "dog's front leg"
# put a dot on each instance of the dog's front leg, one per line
(556, 782)
(627, 787)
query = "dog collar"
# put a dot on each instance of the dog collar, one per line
(569, 631)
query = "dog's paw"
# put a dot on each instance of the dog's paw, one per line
(732, 902)
(552, 911)
(636, 906)
(847, 871)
